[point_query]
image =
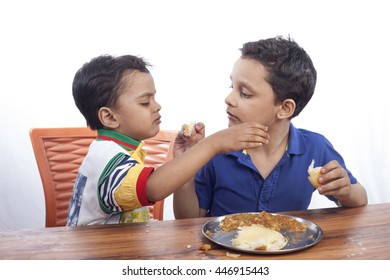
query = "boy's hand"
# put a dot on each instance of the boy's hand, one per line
(334, 181)
(240, 137)
(183, 142)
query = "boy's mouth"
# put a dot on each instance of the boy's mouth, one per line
(231, 116)
(158, 119)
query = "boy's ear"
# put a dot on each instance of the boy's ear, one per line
(107, 118)
(287, 109)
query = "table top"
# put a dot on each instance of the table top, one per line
(348, 233)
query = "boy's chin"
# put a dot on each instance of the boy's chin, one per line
(232, 123)
(155, 130)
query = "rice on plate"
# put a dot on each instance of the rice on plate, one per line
(258, 237)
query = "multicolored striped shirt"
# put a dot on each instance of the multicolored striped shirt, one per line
(111, 183)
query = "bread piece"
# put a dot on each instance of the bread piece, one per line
(258, 237)
(314, 174)
(188, 128)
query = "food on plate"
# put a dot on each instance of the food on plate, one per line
(314, 174)
(268, 220)
(188, 128)
(258, 237)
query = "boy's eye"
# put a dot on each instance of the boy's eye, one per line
(244, 95)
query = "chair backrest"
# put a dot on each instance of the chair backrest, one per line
(59, 153)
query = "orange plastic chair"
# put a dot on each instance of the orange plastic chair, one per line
(59, 153)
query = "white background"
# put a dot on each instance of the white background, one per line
(277, 269)
(192, 45)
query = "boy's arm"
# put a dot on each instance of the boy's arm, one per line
(335, 181)
(185, 202)
(356, 197)
(169, 177)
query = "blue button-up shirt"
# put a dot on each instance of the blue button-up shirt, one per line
(230, 183)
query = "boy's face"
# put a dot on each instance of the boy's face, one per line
(137, 111)
(252, 98)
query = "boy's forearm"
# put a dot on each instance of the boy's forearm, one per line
(169, 177)
(185, 201)
(357, 198)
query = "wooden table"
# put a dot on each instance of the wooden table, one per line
(349, 233)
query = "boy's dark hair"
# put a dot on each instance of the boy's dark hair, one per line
(291, 71)
(98, 83)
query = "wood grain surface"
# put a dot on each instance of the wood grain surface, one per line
(349, 233)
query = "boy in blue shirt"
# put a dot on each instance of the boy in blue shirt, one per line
(272, 82)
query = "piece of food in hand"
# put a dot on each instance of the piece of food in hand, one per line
(314, 174)
(188, 128)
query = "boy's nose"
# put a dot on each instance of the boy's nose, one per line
(229, 100)
(157, 107)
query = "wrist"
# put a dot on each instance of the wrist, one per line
(344, 199)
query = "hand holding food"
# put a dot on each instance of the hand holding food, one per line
(188, 136)
(336, 182)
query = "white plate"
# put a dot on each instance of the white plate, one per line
(296, 240)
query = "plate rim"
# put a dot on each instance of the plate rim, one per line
(265, 252)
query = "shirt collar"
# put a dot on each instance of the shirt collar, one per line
(122, 140)
(296, 142)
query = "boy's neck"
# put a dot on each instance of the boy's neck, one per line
(122, 140)
(279, 136)
(267, 156)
